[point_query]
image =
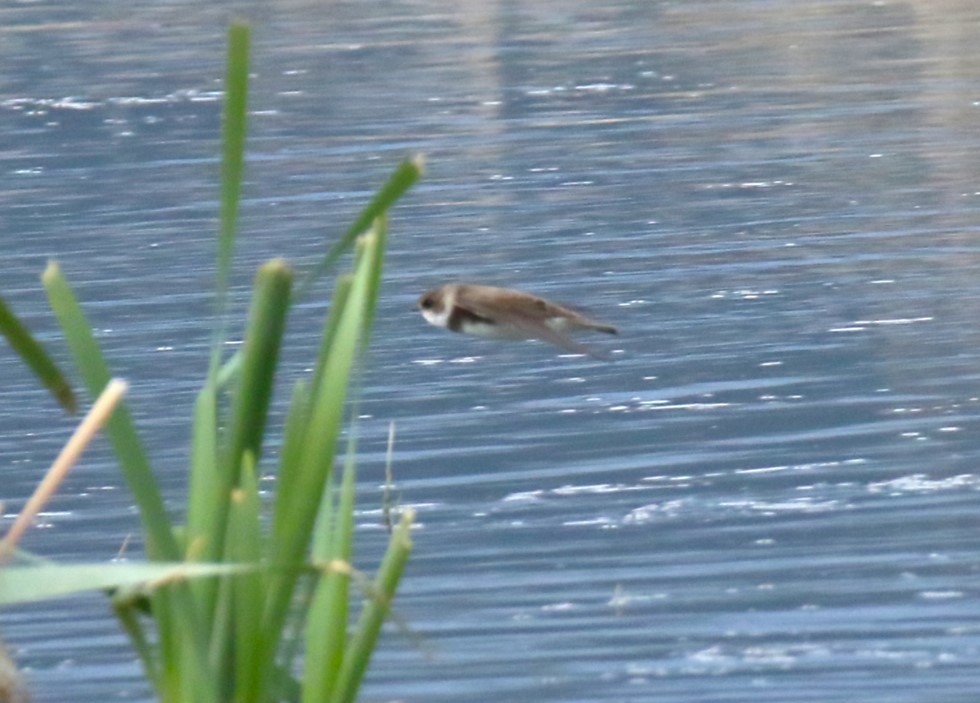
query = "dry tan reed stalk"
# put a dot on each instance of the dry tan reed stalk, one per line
(92, 423)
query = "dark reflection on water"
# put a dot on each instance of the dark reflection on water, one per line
(770, 495)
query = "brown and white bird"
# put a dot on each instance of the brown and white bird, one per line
(505, 313)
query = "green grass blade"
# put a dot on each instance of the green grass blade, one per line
(221, 646)
(185, 675)
(128, 615)
(375, 269)
(203, 486)
(245, 546)
(358, 653)
(209, 517)
(263, 339)
(337, 304)
(291, 537)
(171, 662)
(307, 584)
(294, 434)
(33, 354)
(334, 538)
(160, 541)
(326, 631)
(204, 535)
(161, 544)
(232, 172)
(29, 584)
(404, 177)
(229, 371)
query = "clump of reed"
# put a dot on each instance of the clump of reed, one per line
(249, 597)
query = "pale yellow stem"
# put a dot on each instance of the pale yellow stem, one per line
(92, 423)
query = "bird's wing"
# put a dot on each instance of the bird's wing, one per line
(526, 312)
(477, 300)
(530, 320)
(546, 334)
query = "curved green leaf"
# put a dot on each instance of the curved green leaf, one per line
(34, 355)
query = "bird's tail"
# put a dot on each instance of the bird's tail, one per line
(601, 327)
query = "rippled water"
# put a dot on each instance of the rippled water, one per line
(771, 493)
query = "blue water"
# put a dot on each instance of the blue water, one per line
(771, 493)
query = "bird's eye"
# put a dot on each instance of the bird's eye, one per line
(427, 303)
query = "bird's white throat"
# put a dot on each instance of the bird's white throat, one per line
(439, 318)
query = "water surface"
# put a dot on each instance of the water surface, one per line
(771, 493)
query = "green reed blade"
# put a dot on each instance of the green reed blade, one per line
(294, 434)
(362, 644)
(232, 172)
(33, 354)
(161, 544)
(292, 528)
(203, 533)
(121, 430)
(404, 177)
(326, 621)
(129, 617)
(29, 584)
(375, 269)
(338, 302)
(245, 546)
(260, 354)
